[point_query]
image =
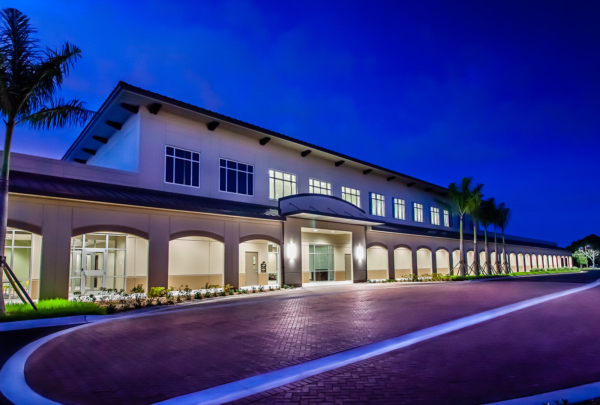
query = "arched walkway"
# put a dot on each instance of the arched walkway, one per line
(512, 262)
(377, 263)
(424, 261)
(23, 254)
(442, 261)
(107, 259)
(196, 261)
(260, 263)
(402, 262)
(521, 262)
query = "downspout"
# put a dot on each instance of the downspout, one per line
(282, 280)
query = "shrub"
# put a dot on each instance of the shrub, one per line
(138, 289)
(228, 288)
(198, 295)
(111, 307)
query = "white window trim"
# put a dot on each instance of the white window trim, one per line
(199, 166)
(422, 212)
(431, 215)
(382, 200)
(280, 171)
(321, 181)
(403, 205)
(358, 196)
(253, 175)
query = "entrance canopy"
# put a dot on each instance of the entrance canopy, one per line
(324, 208)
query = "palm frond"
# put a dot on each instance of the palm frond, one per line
(59, 114)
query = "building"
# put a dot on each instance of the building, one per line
(162, 193)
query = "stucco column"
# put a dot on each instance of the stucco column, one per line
(434, 262)
(56, 251)
(359, 254)
(232, 254)
(391, 265)
(450, 260)
(415, 268)
(292, 252)
(158, 252)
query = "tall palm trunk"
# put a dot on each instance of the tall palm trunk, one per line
(506, 262)
(475, 253)
(10, 125)
(461, 260)
(496, 249)
(487, 253)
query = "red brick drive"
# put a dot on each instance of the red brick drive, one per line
(536, 350)
(148, 359)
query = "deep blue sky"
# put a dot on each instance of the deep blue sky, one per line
(506, 91)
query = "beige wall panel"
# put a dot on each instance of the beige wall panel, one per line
(260, 228)
(340, 276)
(242, 280)
(260, 247)
(403, 259)
(305, 277)
(216, 258)
(36, 256)
(35, 287)
(403, 272)
(131, 282)
(186, 223)
(377, 274)
(263, 279)
(25, 209)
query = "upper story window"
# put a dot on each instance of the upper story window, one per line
(418, 212)
(182, 167)
(377, 205)
(351, 195)
(447, 218)
(281, 184)
(435, 216)
(319, 187)
(236, 177)
(399, 209)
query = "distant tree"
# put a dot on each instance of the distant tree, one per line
(504, 216)
(29, 80)
(592, 241)
(487, 216)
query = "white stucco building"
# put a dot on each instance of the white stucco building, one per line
(162, 193)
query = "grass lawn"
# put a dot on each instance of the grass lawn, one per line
(521, 273)
(50, 309)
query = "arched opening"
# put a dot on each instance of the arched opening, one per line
(527, 262)
(493, 260)
(470, 259)
(482, 259)
(545, 261)
(259, 263)
(540, 262)
(23, 252)
(402, 262)
(108, 260)
(442, 259)
(455, 260)
(512, 262)
(424, 262)
(555, 261)
(521, 262)
(377, 263)
(196, 261)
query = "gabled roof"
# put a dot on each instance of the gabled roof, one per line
(118, 112)
(61, 187)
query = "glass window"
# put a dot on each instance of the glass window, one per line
(435, 216)
(377, 205)
(236, 177)
(319, 187)
(320, 263)
(182, 167)
(418, 212)
(351, 195)
(447, 218)
(399, 208)
(281, 184)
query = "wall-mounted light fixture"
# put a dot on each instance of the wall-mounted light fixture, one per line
(292, 250)
(359, 252)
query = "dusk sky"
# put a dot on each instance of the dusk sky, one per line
(506, 91)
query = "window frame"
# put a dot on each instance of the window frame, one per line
(449, 216)
(328, 189)
(237, 170)
(357, 195)
(434, 212)
(379, 200)
(192, 161)
(294, 182)
(396, 205)
(415, 204)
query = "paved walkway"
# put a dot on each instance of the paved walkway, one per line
(540, 349)
(148, 359)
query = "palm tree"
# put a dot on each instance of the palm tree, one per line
(496, 222)
(504, 215)
(487, 216)
(29, 79)
(474, 212)
(464, 200)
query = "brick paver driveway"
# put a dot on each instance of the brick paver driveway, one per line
(148, 359)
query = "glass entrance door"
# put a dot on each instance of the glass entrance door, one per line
(93, 275)
(321, 263)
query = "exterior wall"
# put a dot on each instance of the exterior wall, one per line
(122, 152)
(195, 261)
(260, 247)
(342, 245)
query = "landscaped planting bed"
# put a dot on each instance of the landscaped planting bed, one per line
(50, 309)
